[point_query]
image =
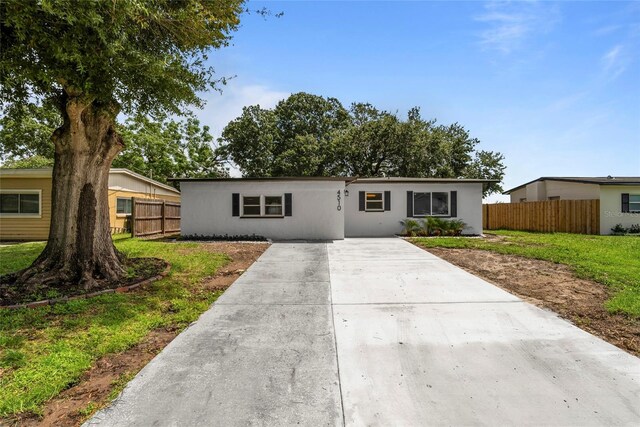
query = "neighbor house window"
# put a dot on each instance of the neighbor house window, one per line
(634, 203)
(553, 197)
(431, 204)
(262, 206)
(374, 202)
(123, 206)
(20, 202)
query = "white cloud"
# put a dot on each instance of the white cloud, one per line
(223, 107)
(614, 62)
(510, 24)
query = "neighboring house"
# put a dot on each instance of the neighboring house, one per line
(619, 196)
(323, 207)
(25, 200)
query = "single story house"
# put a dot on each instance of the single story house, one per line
(323, 207)
(619, 196)
(25, 200)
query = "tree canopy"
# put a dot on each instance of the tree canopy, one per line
(92, 60)
(308, 135)
(138, 56)
(158, 148)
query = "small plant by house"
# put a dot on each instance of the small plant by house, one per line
(432, 226)
(620, 230)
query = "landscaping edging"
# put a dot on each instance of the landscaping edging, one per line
(119, 290)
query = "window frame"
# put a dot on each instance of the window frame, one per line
(637, 210)
(447, 215)
(263, 206)
(124, 214)
(366, 201)
(19, 192)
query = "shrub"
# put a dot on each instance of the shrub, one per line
(634, 229)
(619, 229)
(432, 226)
(410, 227)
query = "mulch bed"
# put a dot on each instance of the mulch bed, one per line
(141, 268)
(554, 287)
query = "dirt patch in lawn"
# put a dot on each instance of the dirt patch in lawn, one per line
(97, 386)
(552, 286)
(242, 256)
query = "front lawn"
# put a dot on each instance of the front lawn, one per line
(611, 260)
(47, 349)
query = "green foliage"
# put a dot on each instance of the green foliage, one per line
(432, 226)
(25, 132)
(161, 148)
(293, 139)
(410, 227)
(146, 57)
(34, 162)
(605, 259)
(45, 350)
(168, 148)
(307, 135)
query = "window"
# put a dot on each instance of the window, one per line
(435, 204)
(262, 206)
(374, 202)
(22, 202)
(123, 206)
(273, 205)
(523, 199)
(251, 205)
(553, 198)
(634, 203)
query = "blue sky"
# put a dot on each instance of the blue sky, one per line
(553, 86)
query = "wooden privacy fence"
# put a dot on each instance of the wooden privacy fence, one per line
(150, 217)
(562, 216)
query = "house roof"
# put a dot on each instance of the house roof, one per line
(598, 180)
(46, 173)
(268, 178)
(350, 180)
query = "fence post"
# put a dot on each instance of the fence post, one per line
(133, 217)
(162, 213)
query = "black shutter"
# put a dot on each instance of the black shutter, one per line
(409, 204)
(287, 204)
(235, 204)
(387, 200)
(625, 202)
(361, 200)
(454, 204)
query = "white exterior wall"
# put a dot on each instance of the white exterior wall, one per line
(387, 223)
(611, 207)
(207, 209)
(572, 190)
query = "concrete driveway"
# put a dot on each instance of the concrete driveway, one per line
(377, 332)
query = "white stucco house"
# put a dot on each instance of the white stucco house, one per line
(619, 196)
(323, 207)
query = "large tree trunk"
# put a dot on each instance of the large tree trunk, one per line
(80, 251)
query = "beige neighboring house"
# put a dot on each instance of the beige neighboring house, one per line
(619, 196)
(25, 200)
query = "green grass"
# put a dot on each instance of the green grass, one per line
(47, 349)
(610, 260)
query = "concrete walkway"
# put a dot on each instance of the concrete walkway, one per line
(419, 342)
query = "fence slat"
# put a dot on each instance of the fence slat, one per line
(551, 216)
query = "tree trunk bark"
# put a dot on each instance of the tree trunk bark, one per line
(80, 252)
